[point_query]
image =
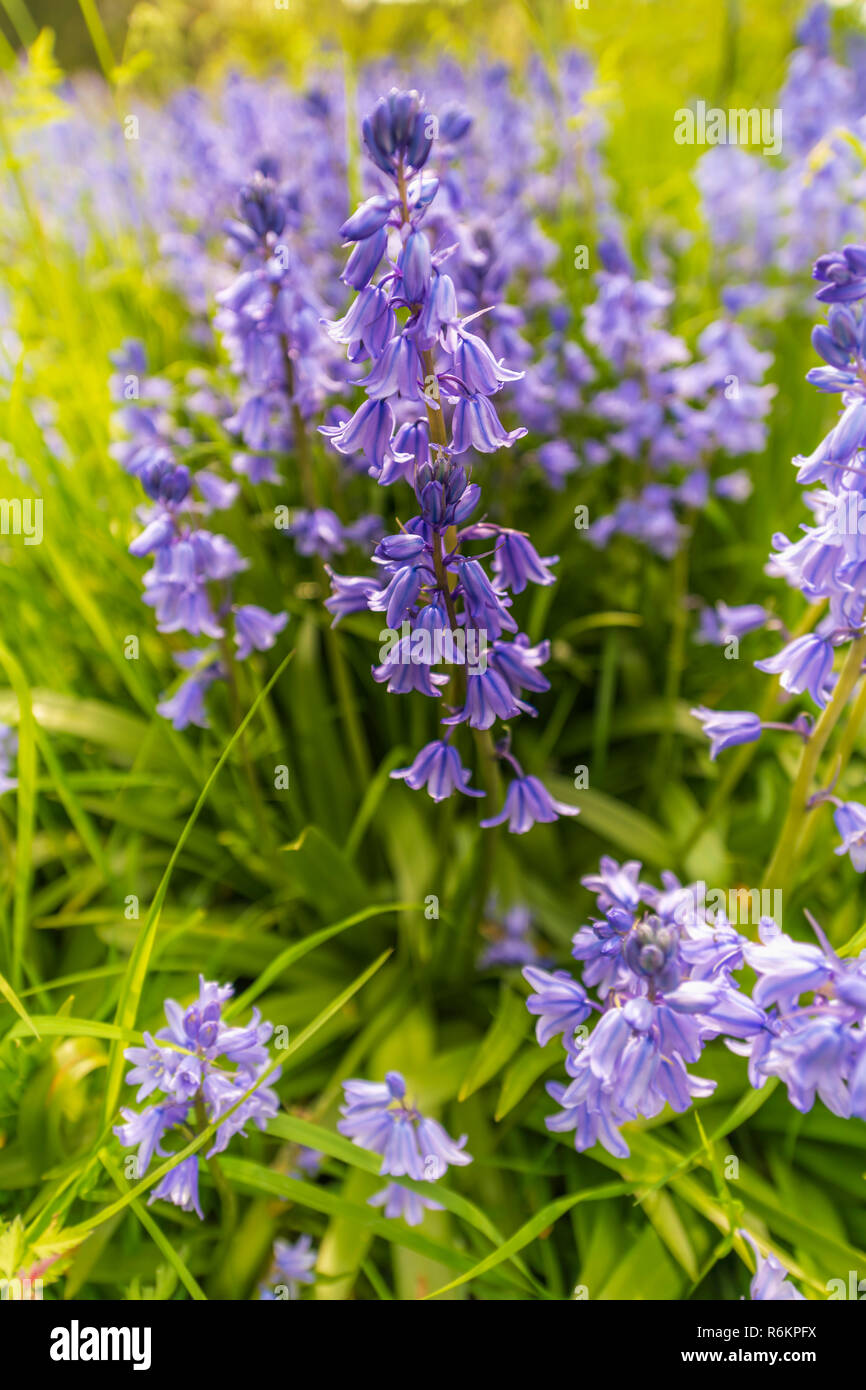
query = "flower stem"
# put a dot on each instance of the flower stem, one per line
(780, 865)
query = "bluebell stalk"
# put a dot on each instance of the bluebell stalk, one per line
(293, 1265)
(198, 1067)
(190, 584)
(828, 565)
(667, 412)
(423, 356)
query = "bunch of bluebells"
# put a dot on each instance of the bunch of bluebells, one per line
(190, 585)
(765, 215)
(511, 942)
(377, 1116)
(293, 1265)
(196, 1069)
(828, 561)
(667, 414)
(424, 361)
(815, 1003)
(661, 968)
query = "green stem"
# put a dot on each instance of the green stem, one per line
(779, 867)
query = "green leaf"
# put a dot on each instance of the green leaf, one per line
(61, 1026)
(12, 998)
(324, 873)
(533, 1228)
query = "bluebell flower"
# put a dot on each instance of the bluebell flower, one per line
(180, 1186)
(561, 1003)
(722, 622)
(516, 563)
(815, 1029)
(368, 218)
(377, 1116)
(519, 663)
(308, 1160)
(187, 705)
(190, 584)
(423, 364)
(396, 133)
(477, 426)
(617, 885)
(559, 461)
(368, 431)
(415, 267)
(488, 697)
(843, 273)
(400, 1201)
(666, 409)
(365, 259)
(511, 940)
(144, 1131)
